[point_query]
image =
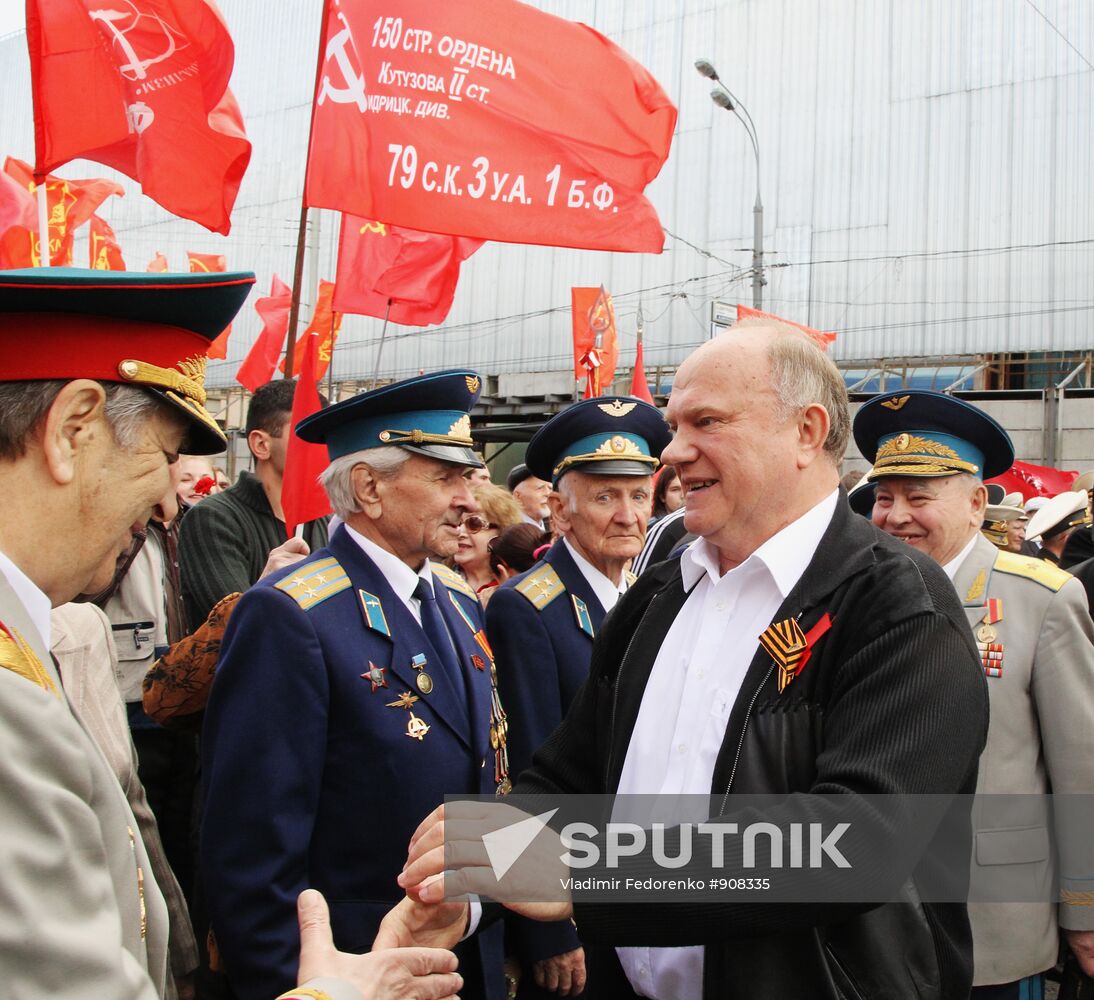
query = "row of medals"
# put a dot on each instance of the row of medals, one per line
(417, 728)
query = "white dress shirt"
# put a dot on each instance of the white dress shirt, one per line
(607, 593)
(690, 693)
(951, 568)
(35, 602)
(400, 577)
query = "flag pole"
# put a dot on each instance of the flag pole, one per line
(302, 228)
(380, 349)
(330, 364)
(44, 255)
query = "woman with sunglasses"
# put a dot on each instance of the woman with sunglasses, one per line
(497, 511)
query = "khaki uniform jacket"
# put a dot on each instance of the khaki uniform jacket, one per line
(84, 648)
(80, 913)
(1039, 740)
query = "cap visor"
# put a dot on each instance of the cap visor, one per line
(455, 454)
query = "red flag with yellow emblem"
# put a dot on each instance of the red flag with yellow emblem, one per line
(103, 247)
(596, 345)
(326, 323)
(415, 272)
(302, 498)
(69, 204)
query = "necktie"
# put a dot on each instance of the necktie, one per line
(437, 633)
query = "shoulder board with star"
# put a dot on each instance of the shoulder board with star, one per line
(312, 583)
(452, 580)
(541, 586)
(1038, 570)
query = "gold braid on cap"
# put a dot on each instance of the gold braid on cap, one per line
(895, 452)
(458, 433)
(996, 533)
(616, 447)
(188, 380)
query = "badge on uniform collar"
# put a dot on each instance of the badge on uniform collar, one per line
(375, 674)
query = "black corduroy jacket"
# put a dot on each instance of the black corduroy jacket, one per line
(892, 701)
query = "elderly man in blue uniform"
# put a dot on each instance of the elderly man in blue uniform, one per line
(598, 456)
(354, 690)
(1035, 637)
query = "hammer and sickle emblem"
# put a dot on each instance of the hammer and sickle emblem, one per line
(374, 227)
(354, 90)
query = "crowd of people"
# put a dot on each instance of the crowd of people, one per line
(226, 751)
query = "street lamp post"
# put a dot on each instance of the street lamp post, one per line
(723, 97)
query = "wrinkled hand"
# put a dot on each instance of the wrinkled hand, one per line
(415, 973)
(562, 974)
(454, 849)
(1082, 944)
(284, 555)
(411, 924)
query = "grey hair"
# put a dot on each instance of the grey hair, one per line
(24, 406)
(801, 375)
(565, 489)
(337, 478)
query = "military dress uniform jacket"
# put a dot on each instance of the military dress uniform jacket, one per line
(541, 626)
(892, 700)
(80, 913)
(1039, 663)
(319, 764)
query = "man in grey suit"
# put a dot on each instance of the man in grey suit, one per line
(931, 454)
(91, 415)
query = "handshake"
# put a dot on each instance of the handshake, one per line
(446, 866)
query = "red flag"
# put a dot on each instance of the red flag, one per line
(259, 365)
(593, 319)
(144, 91)
(640, 388)
(157, 263)
(69, 204)
(302, 498)
(821, 338)
(324, 322)
(1034, 480)
(103, 248)
(540, 130)
(417, 272)
(17, 206)
(208, 263)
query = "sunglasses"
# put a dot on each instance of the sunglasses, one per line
(473, 524)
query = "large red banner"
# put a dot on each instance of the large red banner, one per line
(486, 118)
(142, 86)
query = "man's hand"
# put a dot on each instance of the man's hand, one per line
(1082, 945)
(562, 974)
(411, 924)
(284, 555)
(459, 866)
(415, 973)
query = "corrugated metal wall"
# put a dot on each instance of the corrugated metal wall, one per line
(926, 173)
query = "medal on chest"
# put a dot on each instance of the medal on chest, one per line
(986, 634)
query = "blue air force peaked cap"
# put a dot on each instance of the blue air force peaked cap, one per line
(606, 436)
(914, 432)
(429, 415)
(146, 329)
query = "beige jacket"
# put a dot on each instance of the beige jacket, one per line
(84, 648)
(80, 913)
(1040, 738)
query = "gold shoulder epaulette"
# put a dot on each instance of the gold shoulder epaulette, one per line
(541, 586)
(313, 583)
(452, 580)
(1038, 570)
(17, 656)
